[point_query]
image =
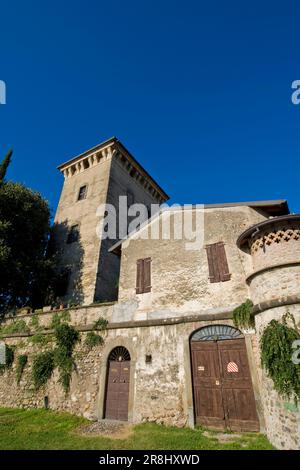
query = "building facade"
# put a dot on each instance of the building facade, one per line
(171, 353)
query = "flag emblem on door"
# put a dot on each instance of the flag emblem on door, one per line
(232, 367)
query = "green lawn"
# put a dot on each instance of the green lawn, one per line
(43, 429)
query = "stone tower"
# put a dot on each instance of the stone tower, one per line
(92, 179)
(273, 248)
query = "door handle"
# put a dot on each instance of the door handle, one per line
(217, 382)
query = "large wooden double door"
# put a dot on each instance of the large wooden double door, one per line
(222, 386)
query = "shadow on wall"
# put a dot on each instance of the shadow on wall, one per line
(66, 249)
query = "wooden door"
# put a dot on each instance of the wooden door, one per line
(208, 398)
(117, 390)
(237, 390)
(223, 392)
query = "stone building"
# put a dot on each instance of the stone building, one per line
(171, 352)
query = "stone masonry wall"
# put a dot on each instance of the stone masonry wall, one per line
(278, 283)
(282, 417)
(160, 390)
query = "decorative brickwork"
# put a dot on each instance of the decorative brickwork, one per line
(281, 235)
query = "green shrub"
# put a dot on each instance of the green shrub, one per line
(242, 315)
(17, 326)
(42, 368)
(21, 363)
(100, 324)
(276, 356)
(59, 318)
(92, 340)
(40, 338)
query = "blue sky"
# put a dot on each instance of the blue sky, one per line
(199, 92)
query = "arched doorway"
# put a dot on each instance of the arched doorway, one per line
(222, 386)
(117, 385)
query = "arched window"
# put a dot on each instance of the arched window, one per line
(119, 354)
(216, 333)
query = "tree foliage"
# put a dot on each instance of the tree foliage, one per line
(4, 165)
(25, 269)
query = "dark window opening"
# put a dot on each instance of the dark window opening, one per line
(82, 193)
(73, 234)
(148, 358)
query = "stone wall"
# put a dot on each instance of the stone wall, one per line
(282, 416)
(276, 283)
(160, 391)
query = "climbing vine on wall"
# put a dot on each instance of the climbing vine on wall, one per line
(276, 356)
(63, 338)
(61, 356)
(242, 315)
(21, 364)
(66, 337)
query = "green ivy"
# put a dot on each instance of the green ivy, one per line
(41, 338)
(34, 322)
(100, 324)
(42, 368)
(66, 338)
(276, 356)
(92, 340)
(59, 318)
(21, 363)
(17, 326)
(242, 315)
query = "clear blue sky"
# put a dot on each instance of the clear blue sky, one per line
(198, 91)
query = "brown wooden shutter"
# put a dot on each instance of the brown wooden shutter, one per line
(139, 276)
(147, 275)
(214, 275)
(222, 260)
(143, 276)
(217, 263)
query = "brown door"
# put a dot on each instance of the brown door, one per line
(223, 393)
(117, 390)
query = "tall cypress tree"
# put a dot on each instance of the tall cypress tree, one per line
(4, 165)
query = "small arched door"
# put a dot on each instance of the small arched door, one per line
(117, 386)
(222, 386)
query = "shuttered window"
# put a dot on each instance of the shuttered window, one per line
(217, 263)
(143, 276)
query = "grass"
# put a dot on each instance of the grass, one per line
(45, 429)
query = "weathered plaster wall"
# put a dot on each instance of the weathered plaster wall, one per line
(180, 279)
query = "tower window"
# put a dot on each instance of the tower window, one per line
(82, 193)
(73, 234)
